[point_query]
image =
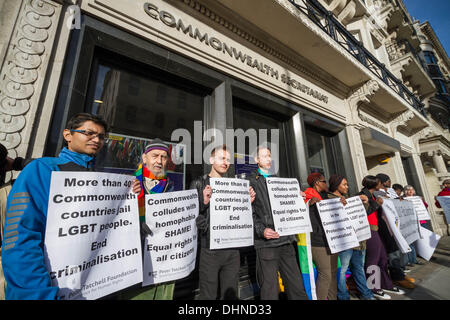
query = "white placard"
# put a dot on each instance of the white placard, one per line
(337, 225)
(409, 224)
(444, 201)
(358, 217)
(421, 210)
(231, 221)
(92, 242)
(391, 193)
(425, 247)
(393, 219)
(290, 214)
(170, 252)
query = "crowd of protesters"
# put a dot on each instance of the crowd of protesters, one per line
(22, 243)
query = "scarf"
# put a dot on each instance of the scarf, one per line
(265, 175)
(141, 173)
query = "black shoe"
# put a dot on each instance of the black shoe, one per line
(419, 263)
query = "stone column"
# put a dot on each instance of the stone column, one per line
(399, 170)
(358, 96)
(429, 198)
(28, 38)
(439, 163)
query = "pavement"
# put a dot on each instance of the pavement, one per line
(432, 278)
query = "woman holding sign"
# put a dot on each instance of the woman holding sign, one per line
(353, 258)
(376, 265)
(326, 262)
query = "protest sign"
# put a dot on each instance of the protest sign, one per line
(337, 225)
(231, 221)
(290, 214)
(92, 244)
(171, 249)
(421, 210)
(444, 201)
(393, 221)
(425, 247)
(409, 224)
(358, 217)
(391, 193)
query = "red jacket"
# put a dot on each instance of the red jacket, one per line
(443, 193)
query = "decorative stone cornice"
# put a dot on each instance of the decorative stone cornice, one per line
(21, 70)
(253, 40)
(401, 120)
(361, 95)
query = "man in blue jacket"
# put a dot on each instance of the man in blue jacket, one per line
(23, 243)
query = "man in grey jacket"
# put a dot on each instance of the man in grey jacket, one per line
(274, 253)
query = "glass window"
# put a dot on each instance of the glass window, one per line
(429, 57)
(247, 116)
(317, 155)
(140, 104)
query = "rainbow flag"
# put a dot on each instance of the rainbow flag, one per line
(307, 264)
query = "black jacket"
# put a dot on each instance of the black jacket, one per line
(373, 205)
(318, 236)
(203, 219)
(262, 214)
(383, 231)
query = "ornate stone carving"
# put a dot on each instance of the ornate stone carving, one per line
(362, 95)
(401, 120)
(21, 70)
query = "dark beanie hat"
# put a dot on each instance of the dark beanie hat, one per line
(334, 182)
(157, 144)
(313, 177)
(383, 177)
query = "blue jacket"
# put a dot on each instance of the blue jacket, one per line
(23, 261)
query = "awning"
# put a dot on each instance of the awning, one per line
(377, 143)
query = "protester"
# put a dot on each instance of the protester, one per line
(445, 192)
(351, 258)
(395, 256)
(325, 261)
(6, 164)
(375, 251)
(412, 256)
(217, 264)
(274, 253)
(23, 246)
(398, 189)
(153, 178)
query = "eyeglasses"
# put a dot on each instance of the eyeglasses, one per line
(91, 134)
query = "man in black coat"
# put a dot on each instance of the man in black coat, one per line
(274, 253)
(219, 265)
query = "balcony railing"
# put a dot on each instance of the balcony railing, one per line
(330, 25)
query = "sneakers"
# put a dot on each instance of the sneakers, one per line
(412, 280)
(396, 290)
(404, 284)
(380, 294)
(406, 270)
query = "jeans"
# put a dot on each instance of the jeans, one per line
(355, 260)
(412, 256)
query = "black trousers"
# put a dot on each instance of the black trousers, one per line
(219, 266)
(283, 259)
